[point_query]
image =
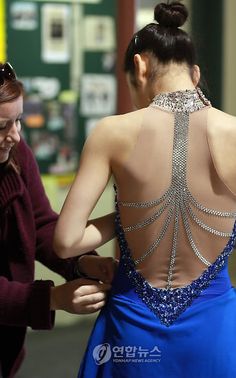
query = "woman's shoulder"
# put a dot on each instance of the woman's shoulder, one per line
(118, 129)
(24, 150)
(24, 154)
(221, 135)
(215, 115)
(116, 123)
(115, 136)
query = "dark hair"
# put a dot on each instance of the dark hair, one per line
(164, 39)
(10, 90)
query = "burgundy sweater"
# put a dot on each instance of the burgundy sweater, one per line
(26, 228)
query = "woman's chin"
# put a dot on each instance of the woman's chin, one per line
(4, 156)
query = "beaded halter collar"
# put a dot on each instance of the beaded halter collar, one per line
(178, 201)
(187, 101)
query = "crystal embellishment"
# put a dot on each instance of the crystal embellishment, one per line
(169, 303)
(187, 101)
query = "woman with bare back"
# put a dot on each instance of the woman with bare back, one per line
(172, 308)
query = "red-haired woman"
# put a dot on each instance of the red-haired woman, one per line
(26, 229)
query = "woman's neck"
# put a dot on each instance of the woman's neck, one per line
(172, 78)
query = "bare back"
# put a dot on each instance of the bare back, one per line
(176, 211)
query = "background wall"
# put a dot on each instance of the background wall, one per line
(229, 81)
(229, 57)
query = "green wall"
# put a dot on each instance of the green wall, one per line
(207, 31)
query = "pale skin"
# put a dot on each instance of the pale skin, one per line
(109, 145)
(80, 296)
(10, 126)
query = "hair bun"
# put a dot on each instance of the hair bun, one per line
(171, 15)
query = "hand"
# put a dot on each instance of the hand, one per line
(98, 267)
(80, 296)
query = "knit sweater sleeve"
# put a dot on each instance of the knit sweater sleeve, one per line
(23, 302)
(45, 217)
(26, 304)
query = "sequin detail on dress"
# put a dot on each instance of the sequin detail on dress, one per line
(168, 304)
(179, 203)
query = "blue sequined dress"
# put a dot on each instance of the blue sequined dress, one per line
(183, 332)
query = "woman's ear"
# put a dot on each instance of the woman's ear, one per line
(140, 64)
(196, 74)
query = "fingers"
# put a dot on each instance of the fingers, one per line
(90, 299)
(90, 303)
(90, 309)
(88, 287)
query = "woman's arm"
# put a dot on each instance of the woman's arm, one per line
(45, 221)
(74, 234)
(44, 217)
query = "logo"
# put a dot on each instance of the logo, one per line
(102, 353)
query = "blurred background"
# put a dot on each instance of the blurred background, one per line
(69, 55)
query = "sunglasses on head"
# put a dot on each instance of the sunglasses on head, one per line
(7, 73)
